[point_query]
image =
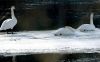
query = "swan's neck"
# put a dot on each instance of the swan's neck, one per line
(91, 19)
(12, 14)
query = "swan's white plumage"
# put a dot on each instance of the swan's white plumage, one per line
(9, 23)
(65, 31)
(87, 27)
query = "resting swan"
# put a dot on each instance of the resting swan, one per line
(87, 27)
(9, 23)
(65, 31)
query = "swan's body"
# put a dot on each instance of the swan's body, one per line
(9, 23)
(65, 31)
(88, 27)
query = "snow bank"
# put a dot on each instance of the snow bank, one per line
(36, 42)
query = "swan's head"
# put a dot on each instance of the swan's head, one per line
(92, 14)
(13, 7)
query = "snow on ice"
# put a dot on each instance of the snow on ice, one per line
(32, 42)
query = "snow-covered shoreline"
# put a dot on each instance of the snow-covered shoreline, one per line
(36, 42)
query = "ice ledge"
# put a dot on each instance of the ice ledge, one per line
(37, 42)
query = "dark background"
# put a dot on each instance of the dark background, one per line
(50, 14)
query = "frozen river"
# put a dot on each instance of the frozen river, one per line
(33, 42)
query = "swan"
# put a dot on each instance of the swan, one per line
(65, 31)
(9, 23)
(87, 27)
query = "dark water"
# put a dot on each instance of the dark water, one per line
(90, 57)
(79, 57)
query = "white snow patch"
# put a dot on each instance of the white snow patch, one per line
(32, 42)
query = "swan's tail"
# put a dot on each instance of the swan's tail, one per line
(91, 18)
(0, 29)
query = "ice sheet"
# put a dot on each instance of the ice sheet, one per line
(33, 42)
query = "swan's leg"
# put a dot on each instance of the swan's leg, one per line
(7, 31)
(12, 31)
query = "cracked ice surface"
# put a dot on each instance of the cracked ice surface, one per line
(32, 42)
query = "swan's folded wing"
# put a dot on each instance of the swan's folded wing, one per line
(5, 24)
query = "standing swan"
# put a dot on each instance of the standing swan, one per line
(87, 27)
(9, 23)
